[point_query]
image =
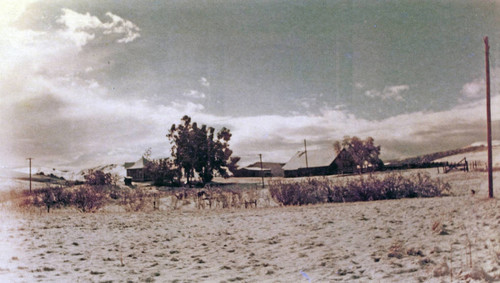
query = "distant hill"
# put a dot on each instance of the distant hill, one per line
(427, 158)
(114, 169)
(474, 152)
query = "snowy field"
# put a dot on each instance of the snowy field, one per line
(454, 238)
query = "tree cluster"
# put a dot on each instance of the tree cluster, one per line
(199, 150)
(163, 172)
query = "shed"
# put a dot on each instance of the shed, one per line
(319, 162)
(137, 171)
(269, 169)
(254, 171)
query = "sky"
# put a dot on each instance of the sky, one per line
(87, 83)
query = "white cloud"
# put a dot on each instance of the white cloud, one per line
(394, 92)
(359, 85)
(389, 92)
(46, 107)
(474, 89)
(121, 26)
(11, 10)
(311, 102)
(204, 82)
(194, 94)
(278, 137)
(88, 126)
(373, 93)
(81, 28)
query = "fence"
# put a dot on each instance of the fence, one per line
(464, 165)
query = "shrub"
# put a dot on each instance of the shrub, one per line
(307, 192)
(391, 186)
(88, 198)
(98, 178)
(136, 200)
(50, 197)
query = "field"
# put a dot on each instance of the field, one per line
(453, 238)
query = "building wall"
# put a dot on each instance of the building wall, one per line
(271, 169)
(343, 164)
(253, 173)
(138, 175)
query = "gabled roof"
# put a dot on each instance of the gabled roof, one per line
(128, 164)
(315, 158)
(139, 164)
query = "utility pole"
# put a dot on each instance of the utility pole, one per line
(488, 117)
(29, 158)
(261, 170)
(305, 151)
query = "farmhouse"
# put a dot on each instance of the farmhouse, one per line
(137, 170)
(319, 162)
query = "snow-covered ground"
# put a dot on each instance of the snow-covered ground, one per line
(454, 238)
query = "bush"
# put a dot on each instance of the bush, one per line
(50, 197)
(310, 191)
(88, 198)
(98, 178)
(391, 186)
(137, 199)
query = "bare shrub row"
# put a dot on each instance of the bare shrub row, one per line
(87, 198)
(98, 190)
(362, 188)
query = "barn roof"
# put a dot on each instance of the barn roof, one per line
(315, 158)
(139, 164)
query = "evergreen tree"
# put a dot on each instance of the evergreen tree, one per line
(199, 149)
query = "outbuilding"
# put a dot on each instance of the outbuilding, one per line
(137, 171)
(268, 169)
(254, 171)
(319, 162)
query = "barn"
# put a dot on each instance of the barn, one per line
(137, 171)
(319, 162)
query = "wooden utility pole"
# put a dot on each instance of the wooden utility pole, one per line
(29, 158)
(261, 170)
(305, 151)
(488, 117)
